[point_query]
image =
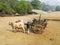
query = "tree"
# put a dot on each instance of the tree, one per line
(57, 8)
(15, 6)
(22, 7)
(36, 4)
(5, 7)
(45, 7)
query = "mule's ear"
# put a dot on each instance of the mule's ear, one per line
(9, 22)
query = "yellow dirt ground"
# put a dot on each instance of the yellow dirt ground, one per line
(50, 36)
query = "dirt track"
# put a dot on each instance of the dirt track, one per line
(51, 35)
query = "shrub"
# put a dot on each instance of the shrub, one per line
(22, 7)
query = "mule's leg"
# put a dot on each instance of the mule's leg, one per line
(28, 31)
(15, 29)
(41, 29)
(24, 30)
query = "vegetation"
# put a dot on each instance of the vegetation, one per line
(5, 7)
(45, 7)
(23, 6)
(36, 4)
(57, 8)
(15, 6)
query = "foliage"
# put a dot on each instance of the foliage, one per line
(22, 7)
(5, 7)
(16, 6)
(45, 7)
(36, 4)
(57, 8)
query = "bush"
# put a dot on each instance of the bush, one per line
(22, 7)
(5, 6)
(36, 4)
(13, 6)
(57, 8)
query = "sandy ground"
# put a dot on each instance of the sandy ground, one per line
(50, 36)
